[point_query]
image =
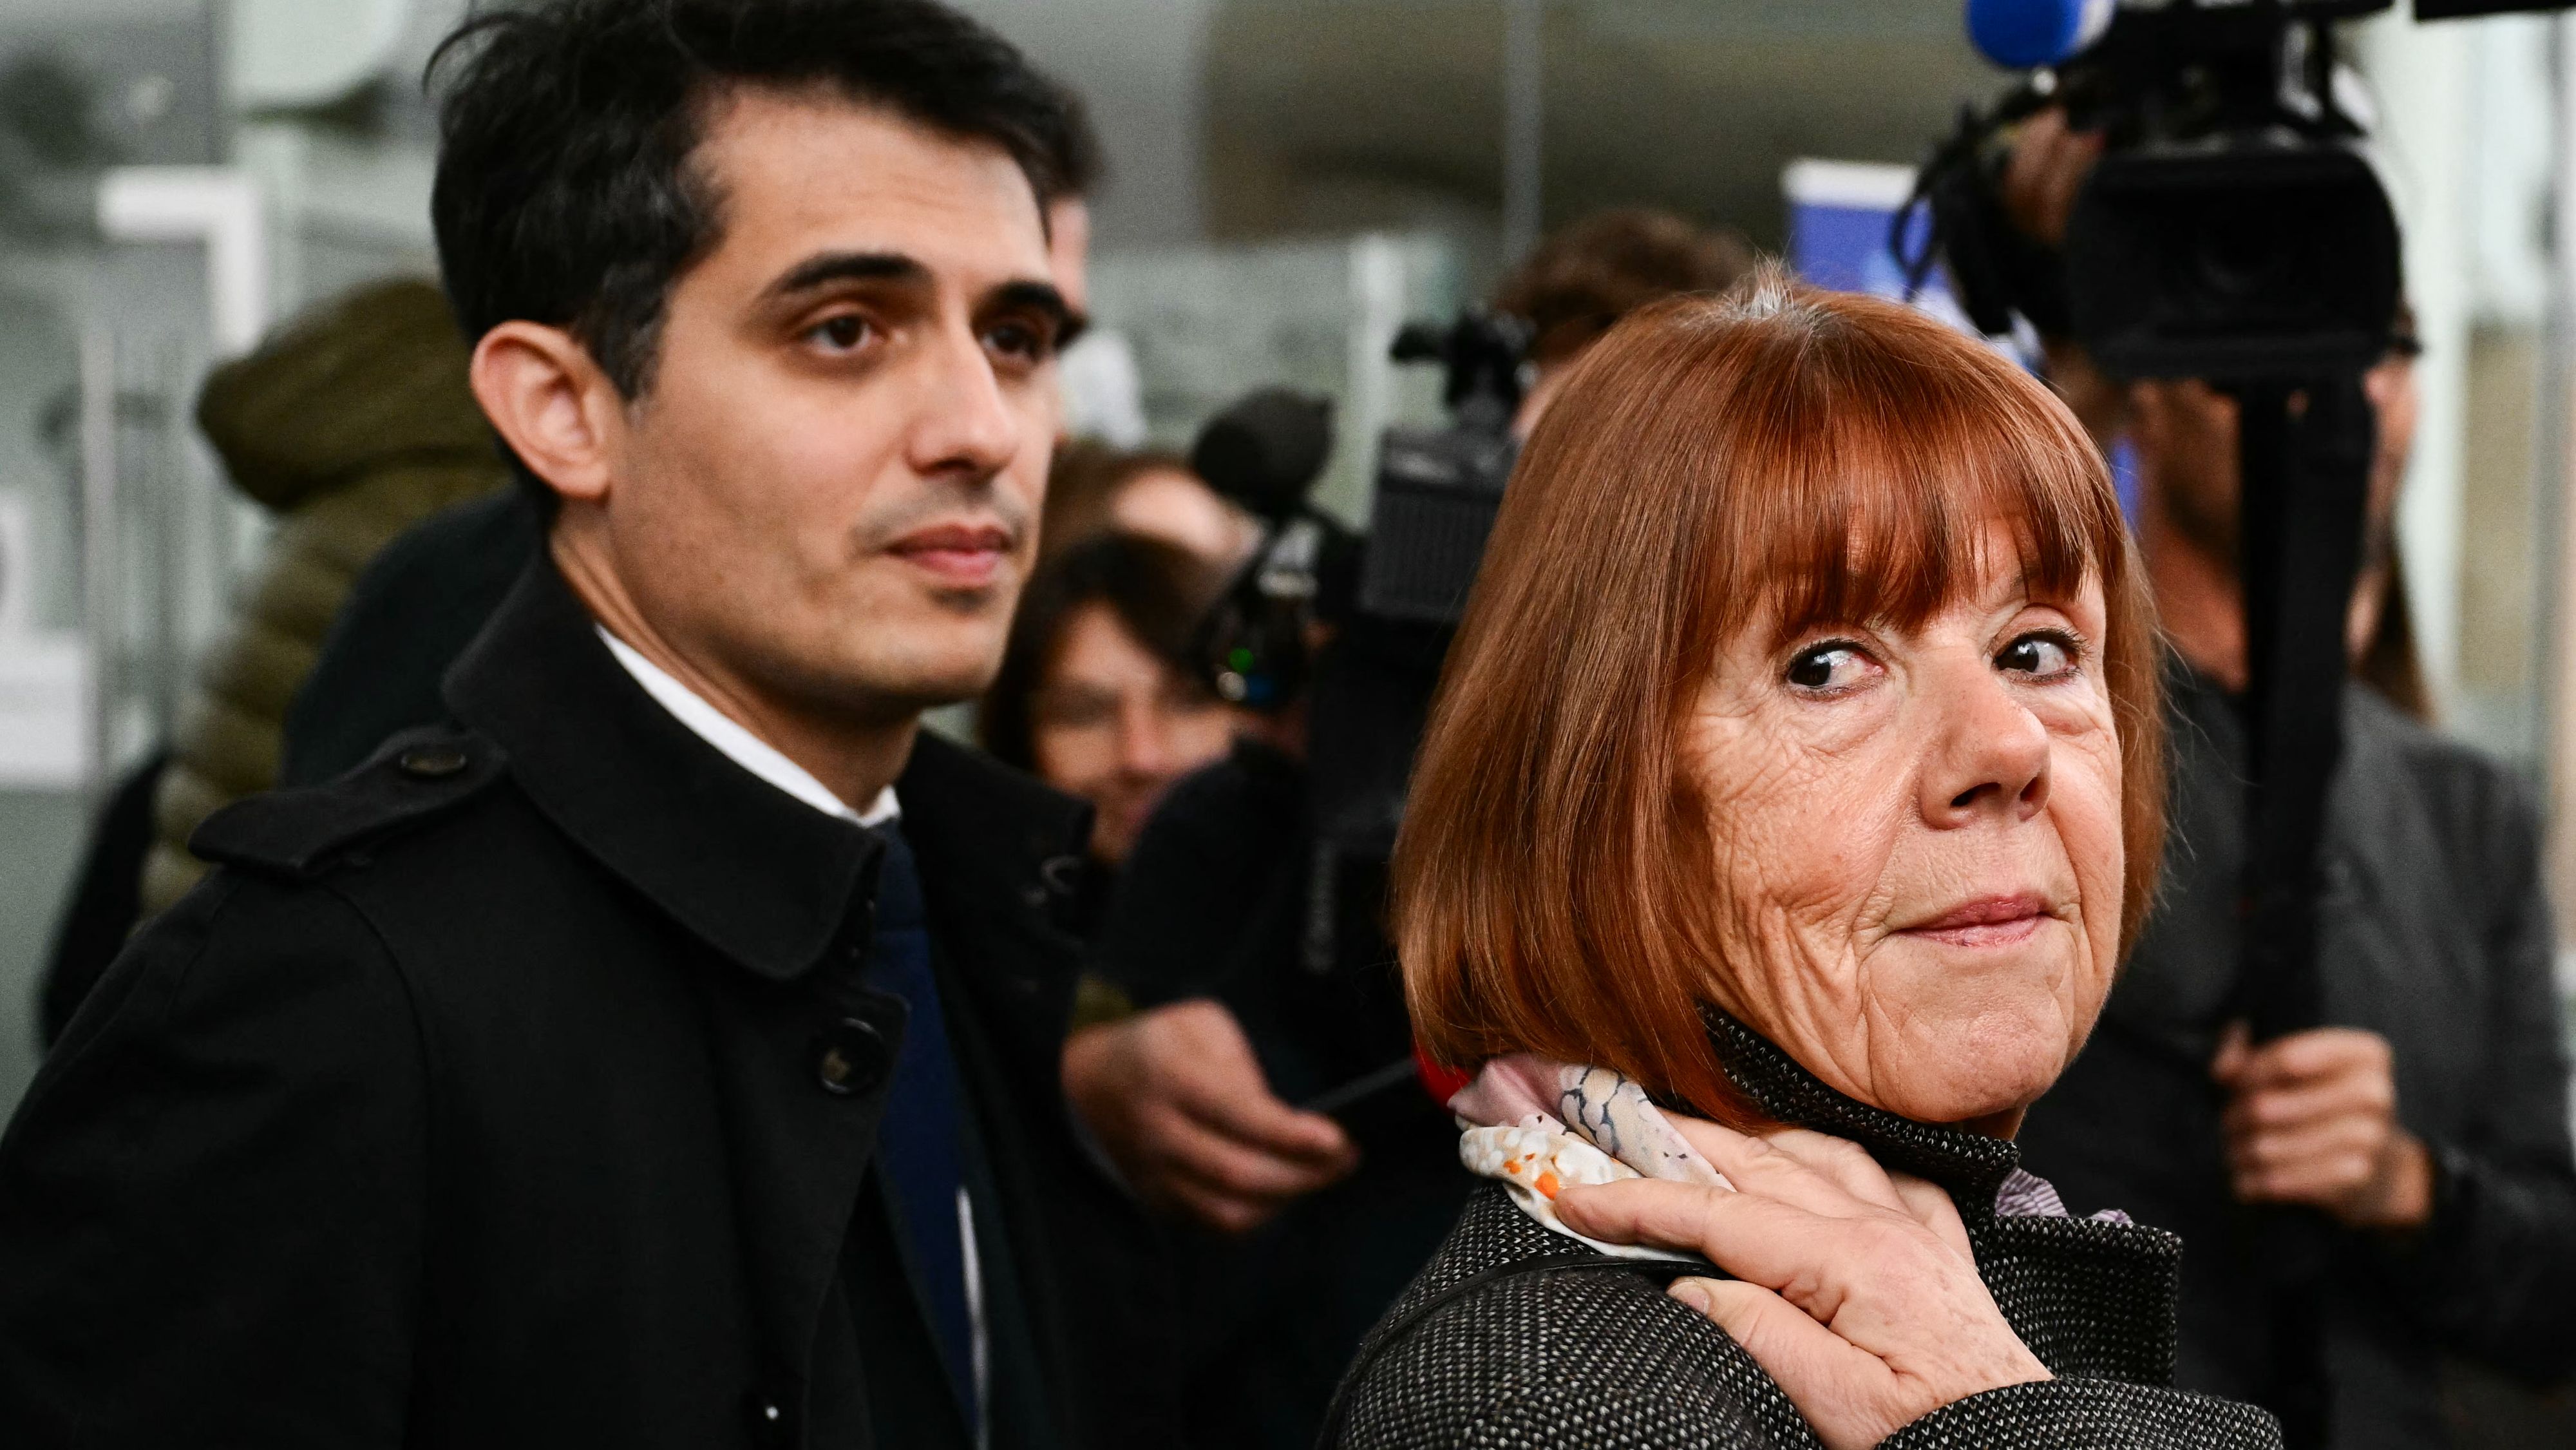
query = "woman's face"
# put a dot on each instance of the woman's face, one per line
(1918, 840)
(1115, 725)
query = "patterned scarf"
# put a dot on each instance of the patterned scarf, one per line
(1537, 1125)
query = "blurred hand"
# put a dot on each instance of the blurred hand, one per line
(1855, 1287)
(1178, 1100)
(2047, 168)
(2312, 1120)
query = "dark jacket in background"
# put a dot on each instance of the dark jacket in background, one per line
(2436, 936)
(1606, 1361)
(518, 1090)
(406, 619)
(1214, 903)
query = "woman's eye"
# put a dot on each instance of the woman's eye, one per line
(840, 334)
(1836, 665)
(2043, 656)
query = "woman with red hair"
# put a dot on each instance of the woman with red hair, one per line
(1793, 791)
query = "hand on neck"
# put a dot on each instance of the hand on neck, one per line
(855, 754)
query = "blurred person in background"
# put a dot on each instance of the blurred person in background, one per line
(1098, 694)
(662, 1051)
(350, 425)
(1582, 279)
(1301, 1241)
(2428, 1121)
(1095, 487)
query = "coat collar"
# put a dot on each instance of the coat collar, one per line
(1971, 1166)
(761, 877)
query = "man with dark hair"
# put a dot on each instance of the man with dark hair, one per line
(661, 1051)
(422, 601)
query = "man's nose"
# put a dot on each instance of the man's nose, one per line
(1988, 755)
(963, 420)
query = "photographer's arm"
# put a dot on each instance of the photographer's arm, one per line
(1179, 1102)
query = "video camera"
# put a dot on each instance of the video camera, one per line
(1388, 604)
(2233, 228)
(1353, 630)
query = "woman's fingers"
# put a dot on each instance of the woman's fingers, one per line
(1812, 1365)
(1929, 1205)
(1759, 1239)
(1767, 1170)
(1841, 1162)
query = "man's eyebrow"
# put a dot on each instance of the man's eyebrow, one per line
(826, 268)
(1041, 297)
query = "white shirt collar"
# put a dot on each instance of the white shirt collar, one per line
(739, 745)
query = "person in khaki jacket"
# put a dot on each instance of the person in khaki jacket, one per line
(351, 424)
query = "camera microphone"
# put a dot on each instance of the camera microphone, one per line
(2022, 34)
(1266, 451)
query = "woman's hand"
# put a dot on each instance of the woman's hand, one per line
(1855, 1288)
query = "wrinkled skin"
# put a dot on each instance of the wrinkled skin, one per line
(1918, 835)
(1920, 857)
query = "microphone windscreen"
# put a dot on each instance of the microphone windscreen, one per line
(1266, 451)
(2021, 34)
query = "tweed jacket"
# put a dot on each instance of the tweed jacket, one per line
(1604, 1360)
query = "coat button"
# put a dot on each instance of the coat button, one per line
(432, 762)
(851, 1058)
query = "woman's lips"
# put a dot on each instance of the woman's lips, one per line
(964, 556)
(1988, 921)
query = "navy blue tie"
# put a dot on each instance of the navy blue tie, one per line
(918, 1147)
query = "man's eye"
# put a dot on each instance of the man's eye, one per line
(840, 334)
(1020, 340)
(2042, 655)
(1833, 665)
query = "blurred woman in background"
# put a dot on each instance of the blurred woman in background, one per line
(1097, 693)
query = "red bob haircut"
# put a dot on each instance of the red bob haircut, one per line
(1775, 458)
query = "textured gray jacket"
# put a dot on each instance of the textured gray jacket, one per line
(1603, 1359)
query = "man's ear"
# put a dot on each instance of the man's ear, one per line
(551, 403)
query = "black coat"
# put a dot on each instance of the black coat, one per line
(517, 1090)
(1599, 1360)
(2435, 934)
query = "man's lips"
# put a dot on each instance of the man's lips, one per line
(1987, 921)
(960, 555)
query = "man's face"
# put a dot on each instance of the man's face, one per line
(827, 496)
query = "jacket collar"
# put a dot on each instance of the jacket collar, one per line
(761, 877)
(756, 874)
(1971, 1166)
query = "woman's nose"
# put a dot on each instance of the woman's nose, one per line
(1988, 755)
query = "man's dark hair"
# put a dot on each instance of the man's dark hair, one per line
(566, 193)
(1158, 593)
